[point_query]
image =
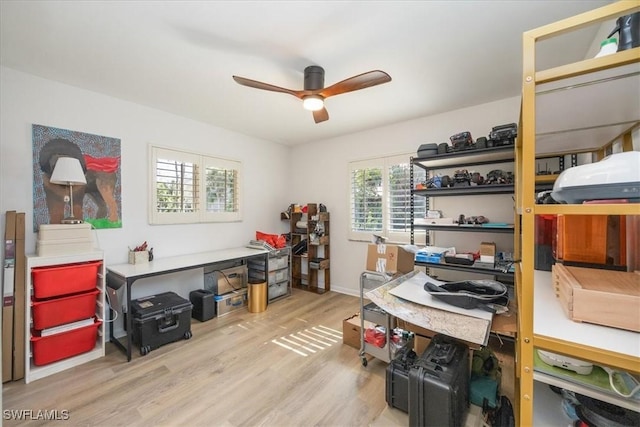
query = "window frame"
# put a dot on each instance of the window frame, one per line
(201, 162)
(385, 163)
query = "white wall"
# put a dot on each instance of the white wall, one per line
(320, 171)
(27, 100)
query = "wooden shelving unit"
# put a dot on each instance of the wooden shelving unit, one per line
(311, 270)
(582, 107)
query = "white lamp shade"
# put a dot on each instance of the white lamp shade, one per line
(68, 171)
(313, 102)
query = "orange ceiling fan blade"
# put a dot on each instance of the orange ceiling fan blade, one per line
(361, 81)
(321, 115)
(266, 86)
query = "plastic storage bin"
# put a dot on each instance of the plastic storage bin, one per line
(278, 289)
(65, 279)
(230, 302)
(51, 348)
(58, 311)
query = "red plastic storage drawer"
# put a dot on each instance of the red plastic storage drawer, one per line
(57, 311)
(64, 279)
(59, 346)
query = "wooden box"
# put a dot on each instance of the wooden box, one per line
(603, 297)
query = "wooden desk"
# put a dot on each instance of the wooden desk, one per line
(127, 274)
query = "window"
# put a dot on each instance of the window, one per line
(192, 188)
(381, 198)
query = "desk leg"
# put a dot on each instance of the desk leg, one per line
(129, 324)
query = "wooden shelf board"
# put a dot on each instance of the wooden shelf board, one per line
(554, 331)
(589, 209)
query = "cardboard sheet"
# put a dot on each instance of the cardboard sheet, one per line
(462, 326)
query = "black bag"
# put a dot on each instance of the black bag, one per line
(484, 293)
(504, 415)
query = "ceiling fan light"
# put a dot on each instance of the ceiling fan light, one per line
(313, 103)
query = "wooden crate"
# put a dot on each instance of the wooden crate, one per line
(603, 297)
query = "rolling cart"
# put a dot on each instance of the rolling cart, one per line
(370, 280)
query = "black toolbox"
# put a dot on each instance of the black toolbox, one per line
(160, 319)
(439, 384)
(397, 378)
(204, 305)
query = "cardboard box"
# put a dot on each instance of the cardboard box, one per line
(19, 300)
(351, 330)
(488, 252)
(389, 259)
(420, 344)
(8, 295)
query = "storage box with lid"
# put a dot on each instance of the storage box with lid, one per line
(230, 302)
(222, 281)
(59, 239)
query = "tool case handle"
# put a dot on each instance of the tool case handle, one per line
(163, 329)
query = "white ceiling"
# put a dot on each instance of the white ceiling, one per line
(179, 56)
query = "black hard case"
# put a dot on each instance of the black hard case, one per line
(160, 319)
(204, 305)
(397, 379)
(439, 384)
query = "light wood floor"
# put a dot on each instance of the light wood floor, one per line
(232, 372)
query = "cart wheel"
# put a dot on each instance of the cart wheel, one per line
(187, 335)
(144, 350)
(364, 361)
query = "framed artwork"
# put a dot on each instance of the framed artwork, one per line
(99, 201)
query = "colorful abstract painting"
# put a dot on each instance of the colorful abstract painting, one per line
(99, 201)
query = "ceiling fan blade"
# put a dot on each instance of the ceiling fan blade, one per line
(321, 115)
(266, 86)
(361, 81)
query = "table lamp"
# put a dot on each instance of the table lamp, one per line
(68, 171)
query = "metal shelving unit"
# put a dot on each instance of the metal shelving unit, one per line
(370, 312)
(486, 156)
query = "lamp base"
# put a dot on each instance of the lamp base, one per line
(71, 221)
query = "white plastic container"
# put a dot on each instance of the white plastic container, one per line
(608, 47)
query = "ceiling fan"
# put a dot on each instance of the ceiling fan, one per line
(314, 92)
